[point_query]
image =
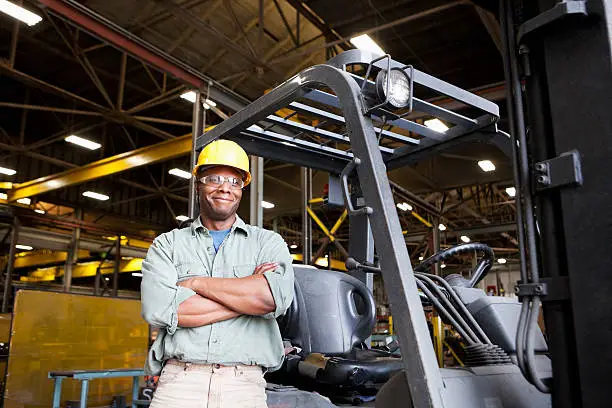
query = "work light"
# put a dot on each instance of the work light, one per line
(398, 95)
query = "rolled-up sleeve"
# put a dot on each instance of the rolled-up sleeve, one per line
(280, 280)
(160, 296)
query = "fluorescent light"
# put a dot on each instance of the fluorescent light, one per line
(191, 97)
(97, 196)
(511, 191)
(322, 262)
(107, 279)
(19, 13)
(366, 43)
(293, 246)
(39, 211)
(421, 258)
(404, 206)
(137, 274)
(24, 247)
(502, 260)
(437, 125)
(486, 165)
(3, 196)
(465, 238)
(442, 227)
(25, 201)
(267, 205)
(88, 144)
(442, 266)
(182, 218)
(7, 171)
(180, 173)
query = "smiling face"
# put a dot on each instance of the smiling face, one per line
(219, 203)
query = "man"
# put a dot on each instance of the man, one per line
(215, 289)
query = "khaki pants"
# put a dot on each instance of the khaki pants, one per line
(186, 385)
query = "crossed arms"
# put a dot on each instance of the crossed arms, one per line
(204, 300)
(218, 299)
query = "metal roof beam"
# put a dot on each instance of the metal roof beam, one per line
(122, 39)
(111, 165)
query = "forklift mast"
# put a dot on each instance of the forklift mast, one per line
(558, 63)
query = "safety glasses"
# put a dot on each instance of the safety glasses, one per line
(215, 180)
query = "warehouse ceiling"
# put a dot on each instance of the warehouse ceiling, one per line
(57, 78)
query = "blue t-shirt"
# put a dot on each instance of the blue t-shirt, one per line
(218, 237)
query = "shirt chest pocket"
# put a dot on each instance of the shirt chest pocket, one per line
(240, 271)
(190, 270)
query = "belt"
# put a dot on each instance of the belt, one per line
(211, 367)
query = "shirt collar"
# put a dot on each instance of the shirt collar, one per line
(238, 224)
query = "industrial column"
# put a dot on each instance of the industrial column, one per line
(306, 185)
(117, 266)
(73, 253)
(256, 210)
(197, 128)
(10, 265)
(436, 243)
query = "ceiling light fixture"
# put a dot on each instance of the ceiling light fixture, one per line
(293, 246)
(511, 191)
(96, 196)
(25, 201)
(442, 266)
(442, 227)
(502, 260)
(437, 125)
(267, 205)
(39, 211)
(88, 144)
(465, 238)
(365, 43)
(182, 218)
(486, 165)
(404, 206)
(3, 196)
(24, 247)
(180, 173)
(19, 13)
(7, 171)
(191, 97)
(421, 258)
(137, 274)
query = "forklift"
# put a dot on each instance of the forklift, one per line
(557, 62)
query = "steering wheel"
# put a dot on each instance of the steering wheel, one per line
(482, 268)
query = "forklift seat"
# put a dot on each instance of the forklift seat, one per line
(333, 314)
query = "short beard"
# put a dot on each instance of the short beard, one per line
(209, 211)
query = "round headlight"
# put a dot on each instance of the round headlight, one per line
(399, 88)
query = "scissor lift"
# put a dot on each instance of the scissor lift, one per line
(358, 129)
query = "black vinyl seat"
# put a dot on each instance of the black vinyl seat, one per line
(333, 314)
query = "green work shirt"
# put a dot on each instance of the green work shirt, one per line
(186, 253)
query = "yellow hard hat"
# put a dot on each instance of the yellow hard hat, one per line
(224, 153)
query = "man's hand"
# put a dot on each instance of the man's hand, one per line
(187, 283)
(265, 267)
